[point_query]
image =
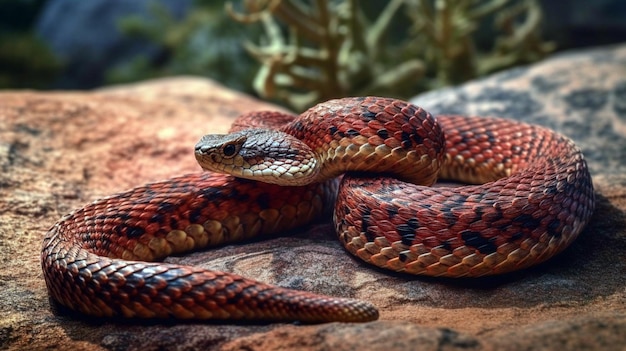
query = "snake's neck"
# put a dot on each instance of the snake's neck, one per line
(277, 157)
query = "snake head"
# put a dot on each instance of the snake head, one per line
(265, 155)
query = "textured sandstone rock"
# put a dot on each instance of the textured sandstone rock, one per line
(61, 150)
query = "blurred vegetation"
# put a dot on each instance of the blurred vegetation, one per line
(205, 43)
(25, 61)
(299, 52)
(314, 50)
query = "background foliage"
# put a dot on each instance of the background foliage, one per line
(296, 52)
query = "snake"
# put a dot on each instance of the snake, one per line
(522, 194)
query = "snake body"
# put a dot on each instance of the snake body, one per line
(533, 197)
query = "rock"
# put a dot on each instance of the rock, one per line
(61, 150)
(381, 335)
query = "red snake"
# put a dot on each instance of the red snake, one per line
(534, 198)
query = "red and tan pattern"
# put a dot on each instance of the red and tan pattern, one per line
(537, 198)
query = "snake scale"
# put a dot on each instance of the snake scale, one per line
(529, 195)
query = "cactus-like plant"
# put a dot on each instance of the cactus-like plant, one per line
(321, 49)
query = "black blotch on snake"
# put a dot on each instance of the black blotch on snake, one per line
(407, 231)
(365, 222)
(368, 115)
(527, 221)
(263, 201)
(553, 227)
(352, 133)
(383, 133)
(477, 241)
(132, 232)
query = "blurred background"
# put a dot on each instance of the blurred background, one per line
(295, 52)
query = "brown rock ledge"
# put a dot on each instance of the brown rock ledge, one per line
(61, 150)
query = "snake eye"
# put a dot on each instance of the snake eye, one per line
(229, 150)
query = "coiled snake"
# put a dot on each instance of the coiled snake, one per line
(535, 197)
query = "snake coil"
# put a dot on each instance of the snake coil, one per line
(533, 196)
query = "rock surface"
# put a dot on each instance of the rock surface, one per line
(59, 151)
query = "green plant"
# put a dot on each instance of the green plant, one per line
(204, 43)
(320, 49)
(26, 62)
